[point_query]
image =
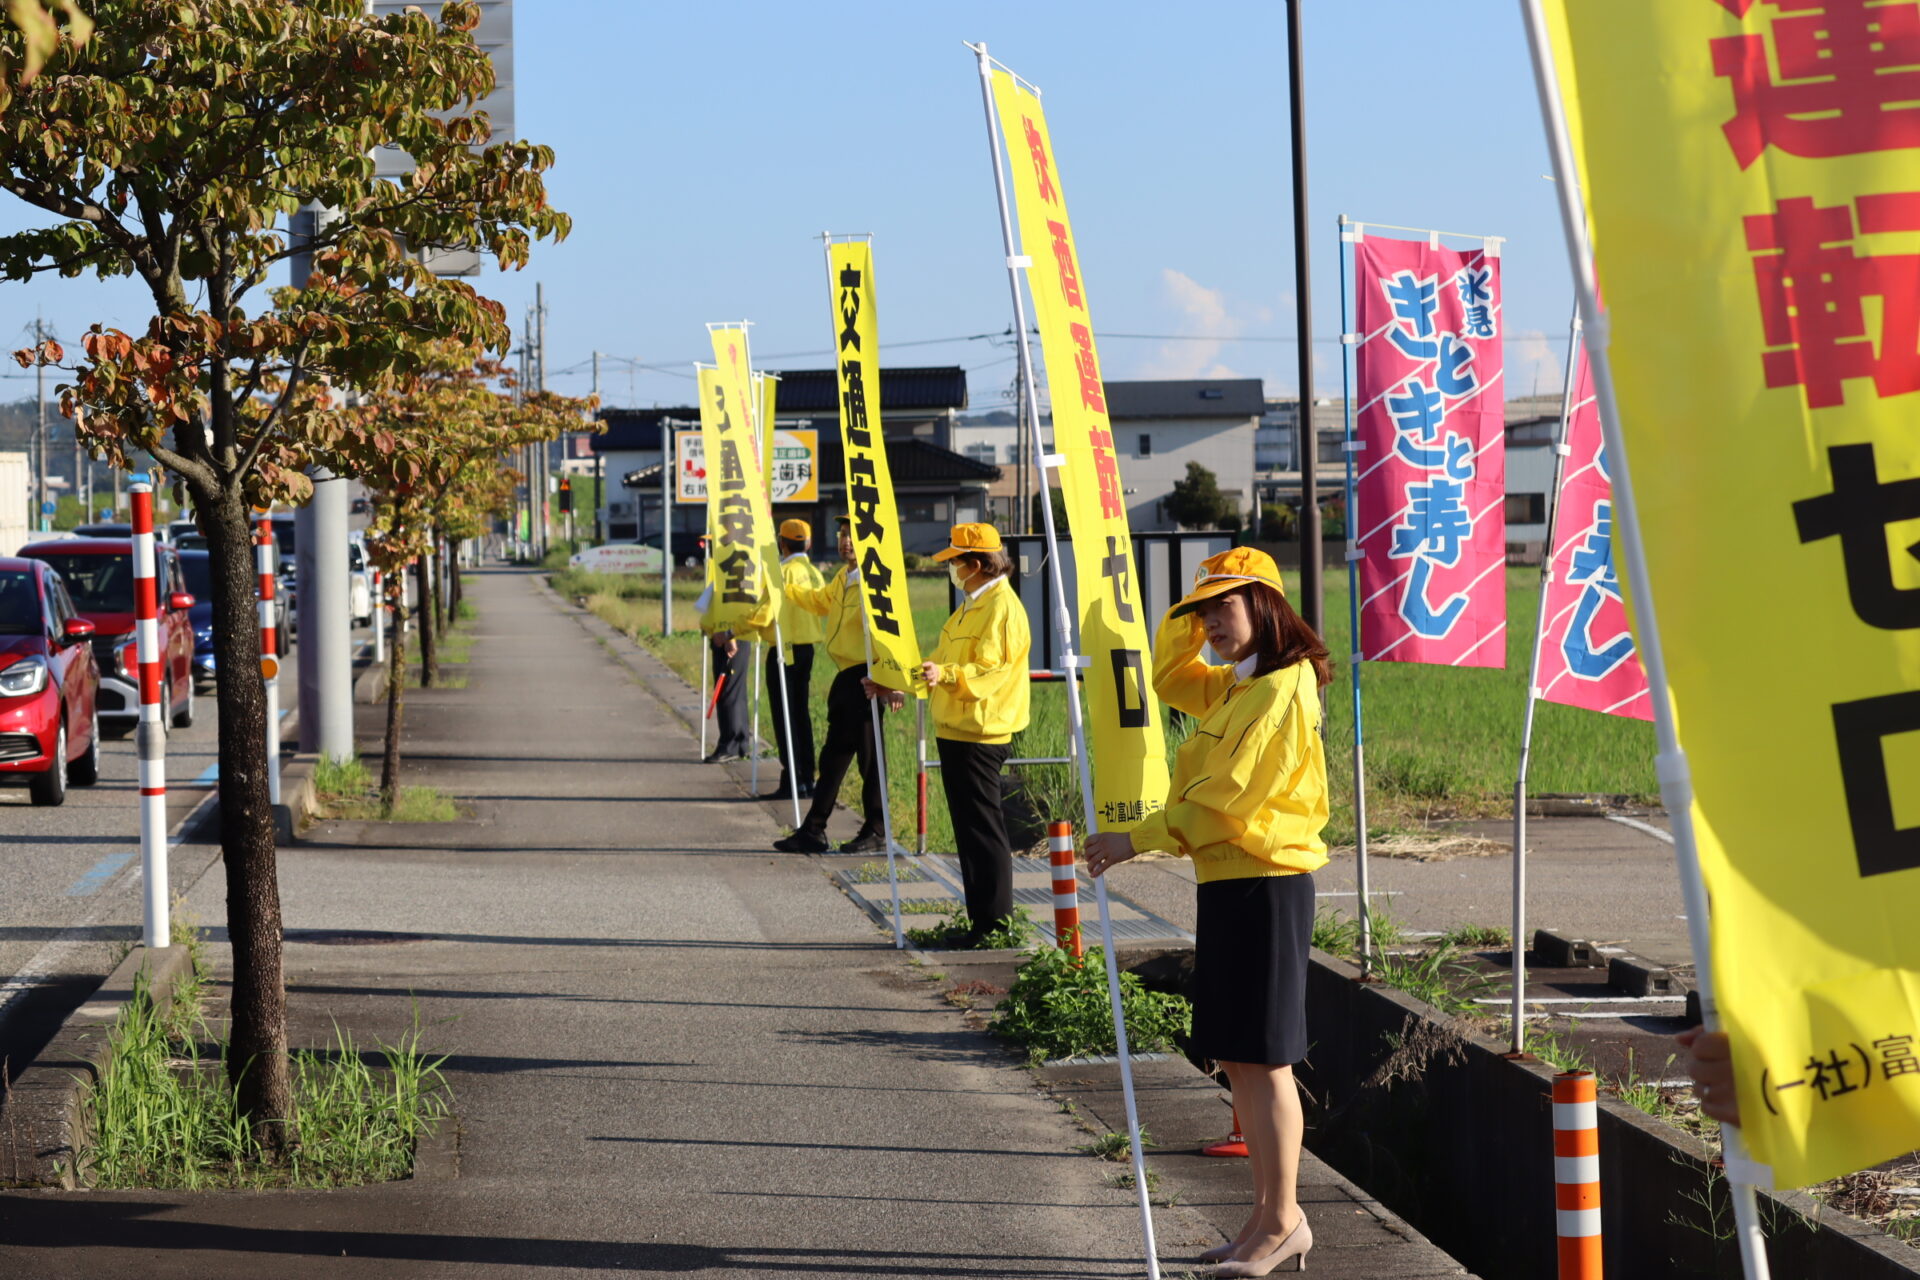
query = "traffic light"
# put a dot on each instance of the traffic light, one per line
(566, 493)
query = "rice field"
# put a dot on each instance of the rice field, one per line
(1440, 743)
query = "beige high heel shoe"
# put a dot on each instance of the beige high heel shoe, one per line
(1296, 1244)
(1220, 1253)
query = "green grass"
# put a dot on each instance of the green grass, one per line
(163, 1117)
(1116, 1146)
(1441, 743)
(1470, 936)
(1059, 1008)
(1438, 976)
(346, 790)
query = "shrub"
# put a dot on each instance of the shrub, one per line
(1058, 1008)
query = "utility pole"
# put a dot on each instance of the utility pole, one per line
(599, 488)
(1311, 594)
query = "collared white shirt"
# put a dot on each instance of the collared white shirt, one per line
(1244, 669)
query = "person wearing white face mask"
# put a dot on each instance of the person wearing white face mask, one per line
(978, 683)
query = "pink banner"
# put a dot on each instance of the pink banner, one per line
(1587, 657)
(1432, 467)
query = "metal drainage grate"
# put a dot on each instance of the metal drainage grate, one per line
(349, 937)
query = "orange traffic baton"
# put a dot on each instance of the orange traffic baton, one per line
(1576, 1174)
(714, 701)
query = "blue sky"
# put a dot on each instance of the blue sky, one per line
(703, 147)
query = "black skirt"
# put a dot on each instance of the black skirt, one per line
(1250, 969)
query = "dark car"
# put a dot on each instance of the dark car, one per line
(98, 576)
(49, 733)
(196, 569)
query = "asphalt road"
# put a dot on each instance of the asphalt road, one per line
(70, 876)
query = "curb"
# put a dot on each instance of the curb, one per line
(46, 1109)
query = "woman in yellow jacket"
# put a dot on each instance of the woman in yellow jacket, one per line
(977, 678)
(1247, 803)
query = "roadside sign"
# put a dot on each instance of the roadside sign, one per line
(269, 667)
(47, 508)
(618, 557)
(793, 474)
(689, 467)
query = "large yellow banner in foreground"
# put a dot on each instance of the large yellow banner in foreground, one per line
(746, 558)
(1129, 752)
(875, 524)
(1758, 239)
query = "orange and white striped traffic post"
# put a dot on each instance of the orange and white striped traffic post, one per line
(269, 647)
(1066, 889)
(1234, 1144)
(150, 735)
(1576, 1174)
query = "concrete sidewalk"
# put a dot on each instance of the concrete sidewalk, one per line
(672, 1051)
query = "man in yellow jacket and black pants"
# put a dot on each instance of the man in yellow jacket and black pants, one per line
(849, 721)
(978, 683)
(793, 678)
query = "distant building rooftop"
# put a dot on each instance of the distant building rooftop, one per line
(1187, 398)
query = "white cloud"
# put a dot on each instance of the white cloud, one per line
(1205, 313)
(1535, 366)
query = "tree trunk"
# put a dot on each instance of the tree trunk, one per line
(429, 662)
(396, 700)
(442, 602)
(455, 587)
(257, 1054)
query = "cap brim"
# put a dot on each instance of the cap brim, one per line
(950, 553)
(1201, 594)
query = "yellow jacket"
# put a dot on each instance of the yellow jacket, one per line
(982, 653)
(796, 627)
(846, 639)
(1249, 790)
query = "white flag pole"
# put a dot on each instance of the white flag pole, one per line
(1676, 783)
(1350, 349)
(1518, 1038)
(706, 645)
(1070, 660)
(763, 447)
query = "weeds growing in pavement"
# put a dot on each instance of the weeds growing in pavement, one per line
(876, 873)
(1556, 1051)
(338, 778)
(1471, 936)
(925, 906)
(1438, 976)
(1114, 1145)
(464, 610)
(1011, 934)
(1339, 935)
(1058, 1008)
(164, 1117)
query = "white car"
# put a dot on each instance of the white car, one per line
(359, 581)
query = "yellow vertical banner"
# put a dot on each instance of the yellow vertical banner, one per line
(1129, 752)
(745, 556)
(876, 524)
(1752, 178)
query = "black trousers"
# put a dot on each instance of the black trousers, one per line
(799, 682)
(731, 714)
(849, 738)
(971, 773)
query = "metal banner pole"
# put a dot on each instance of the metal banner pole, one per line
(762, 444)
(150, 736)
(706, 641)
(1350, 350)
(669, 479)
(920, 774)
(1519, 1039)
(1064, 626)
(886, 798)
(753, 741)
(1676, 784)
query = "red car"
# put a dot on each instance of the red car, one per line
(49, 734)
(98, 575)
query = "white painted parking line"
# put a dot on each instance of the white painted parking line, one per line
(1644, 828)
(101, 872)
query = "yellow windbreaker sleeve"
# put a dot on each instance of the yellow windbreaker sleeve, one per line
(1184, 680)
(823, 599)
(1249, 794)
(989, 665)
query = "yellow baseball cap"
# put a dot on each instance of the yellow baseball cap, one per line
(970, 537)
(1226, 572)
(798, 530)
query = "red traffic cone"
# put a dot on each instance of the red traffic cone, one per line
(1234, 1144)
